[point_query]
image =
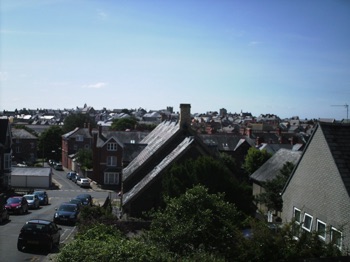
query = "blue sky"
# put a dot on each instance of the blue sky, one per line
(289, 58)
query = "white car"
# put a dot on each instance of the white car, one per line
(33, 201)
(83, 182)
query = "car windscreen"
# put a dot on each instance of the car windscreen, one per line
(69, 208)
(35, 227)
(29, 197)
(13, 200)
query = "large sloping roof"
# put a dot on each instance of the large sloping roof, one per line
(338, 139)
(337, 136)
(270, 169)
(153, 141)
(22, 134)
(149, 178)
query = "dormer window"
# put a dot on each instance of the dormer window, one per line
(112, 147)
(79, 138)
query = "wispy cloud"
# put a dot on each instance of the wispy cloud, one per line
(102, 14)
(96, 85)
(254, 43)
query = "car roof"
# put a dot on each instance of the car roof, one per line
(28, 195)
(39, 221)
(68, 204)
(39, 192)
(16, 197)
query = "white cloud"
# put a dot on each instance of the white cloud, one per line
(254, 43)
(96, 85)
(102, 15)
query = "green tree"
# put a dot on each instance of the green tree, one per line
(50, 142)
(84, 157)
(122, 124)
(212, 173)
(196, 221)
(272, 196)
(73, 121)
(254, 159)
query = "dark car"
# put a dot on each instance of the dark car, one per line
(66, 213)
(43, 197)
(77, 201)
(86, 199)
(70, 175)
(17, 204)
(40, 233)
(4, 214)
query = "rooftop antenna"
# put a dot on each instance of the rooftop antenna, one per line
(347, 110)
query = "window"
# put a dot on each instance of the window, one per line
(307, 222)
(79, 138)
(111, 178)
(297, 221)
(296, 215)
(321, 229)
(112, 146)
(336, 237)
(32, 145)
(111, 161)
(132, 141)
(7, 161)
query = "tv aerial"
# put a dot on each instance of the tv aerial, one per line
(347, 110)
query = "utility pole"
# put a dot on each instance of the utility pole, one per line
(347, 111)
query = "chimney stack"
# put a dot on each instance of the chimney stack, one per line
(185, 115)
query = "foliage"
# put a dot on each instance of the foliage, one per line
(84, 157)
(73, 121)
(106, 243)
(214, 174)
(279, 244)
(272, 196)
(50, 142)
(123, 124)
(195, 221)
(254, 159)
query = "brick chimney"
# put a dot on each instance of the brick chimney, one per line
(185, 115)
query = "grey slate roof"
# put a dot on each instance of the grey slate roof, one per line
(338, 139)
(22, 134)
(337, 136)
(30, 171)
(156, 139)
(270, 169)
(148, 179)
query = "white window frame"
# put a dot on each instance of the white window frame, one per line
(111, 178)
(333, 229)
(306, 215)
(112, 161)
(321, 235)
(112, 146)
(79, 138)
(294, 213)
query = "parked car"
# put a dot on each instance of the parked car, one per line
(70, 175)
(66, 213)
(43, 197)
(75, 178)
(39, 232)
(77, 201)
(83, 182)
(17, 204)
(58, 166)
(86, 198)
(4, 214)
(33, 201)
